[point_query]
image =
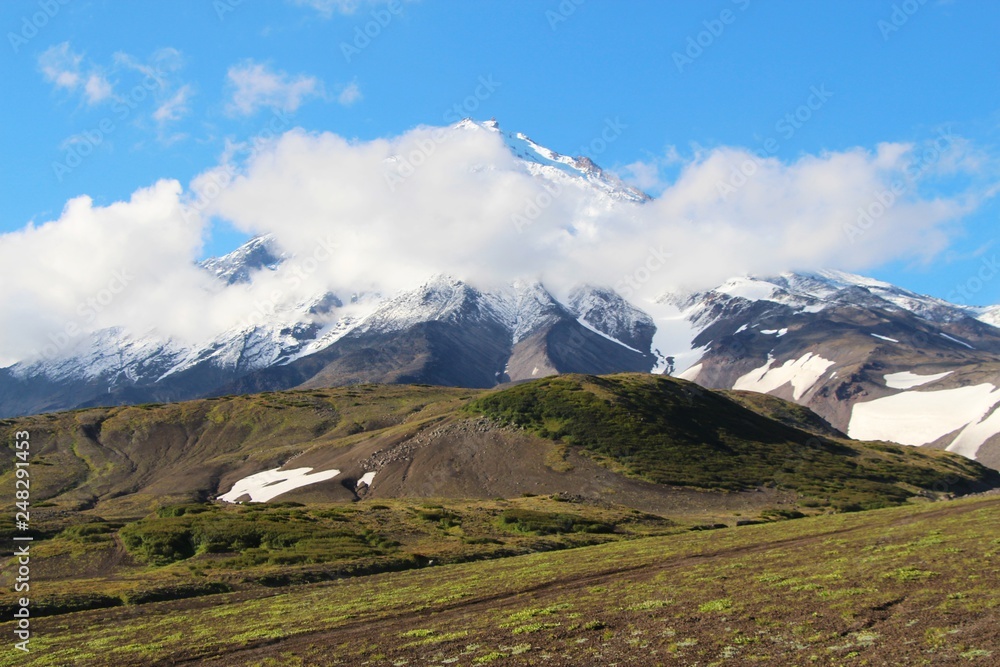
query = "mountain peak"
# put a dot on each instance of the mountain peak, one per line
(260, 252)
(556, 167)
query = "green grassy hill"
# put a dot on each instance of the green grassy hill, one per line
(668, 431)
(555, 434)
(674, 432)
(133, 459)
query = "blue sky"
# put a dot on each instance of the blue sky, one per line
(158, 90)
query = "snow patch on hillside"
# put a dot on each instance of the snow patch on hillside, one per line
(691, 373)
(801, 373)
(586, 325)
(908, 380)
(955, 340)
(674, 335)
(921, 417)
(973, 436)
(264, 486)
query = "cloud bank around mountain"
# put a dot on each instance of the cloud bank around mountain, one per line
(387, 214)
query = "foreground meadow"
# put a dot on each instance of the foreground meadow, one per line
(911, 585)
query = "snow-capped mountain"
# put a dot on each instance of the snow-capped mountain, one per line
(877, 361)
(260, 252)
(823, 289)
(990, 315)
(560, 169)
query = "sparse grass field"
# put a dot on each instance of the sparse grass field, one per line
(203, 548)
(912, 585)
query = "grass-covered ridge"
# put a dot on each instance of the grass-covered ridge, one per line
(124, 462)
(674, 432)
(138, 458)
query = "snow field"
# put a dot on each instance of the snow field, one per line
(801, 373)
(921, 417)
(264, 486)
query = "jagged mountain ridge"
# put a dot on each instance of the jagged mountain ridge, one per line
(449, 332)
(864, 354)
(260, 252)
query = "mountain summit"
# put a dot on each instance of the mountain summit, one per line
(556, 168)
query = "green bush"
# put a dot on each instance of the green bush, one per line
(53, 605)
(158, 542)
(86, 532)
(778, 515)
(181, 510)
(281, 534)
(546, 523)
(175, 592)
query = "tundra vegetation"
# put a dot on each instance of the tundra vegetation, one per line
(134, 563)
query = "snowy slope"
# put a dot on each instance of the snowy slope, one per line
(990, 315)
(110, 352)
(817, 291)
(921, 417)
(802, 374)
(607, 312)
(257, 254)
(521, 307)
(561, 169)
(875, 360)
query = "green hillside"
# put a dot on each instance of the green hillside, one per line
(129, 460)
(674, 432)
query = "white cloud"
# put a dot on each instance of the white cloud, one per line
(61, 66)
(453, 215)
(70, 71)
(171, 98)
(74, 258)
(64, 68)
(349, 95)
(327, 8)
(643, 175)
(255, 85)
(174, 107)
(647, 175)
(162, 64)
(97, 89)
